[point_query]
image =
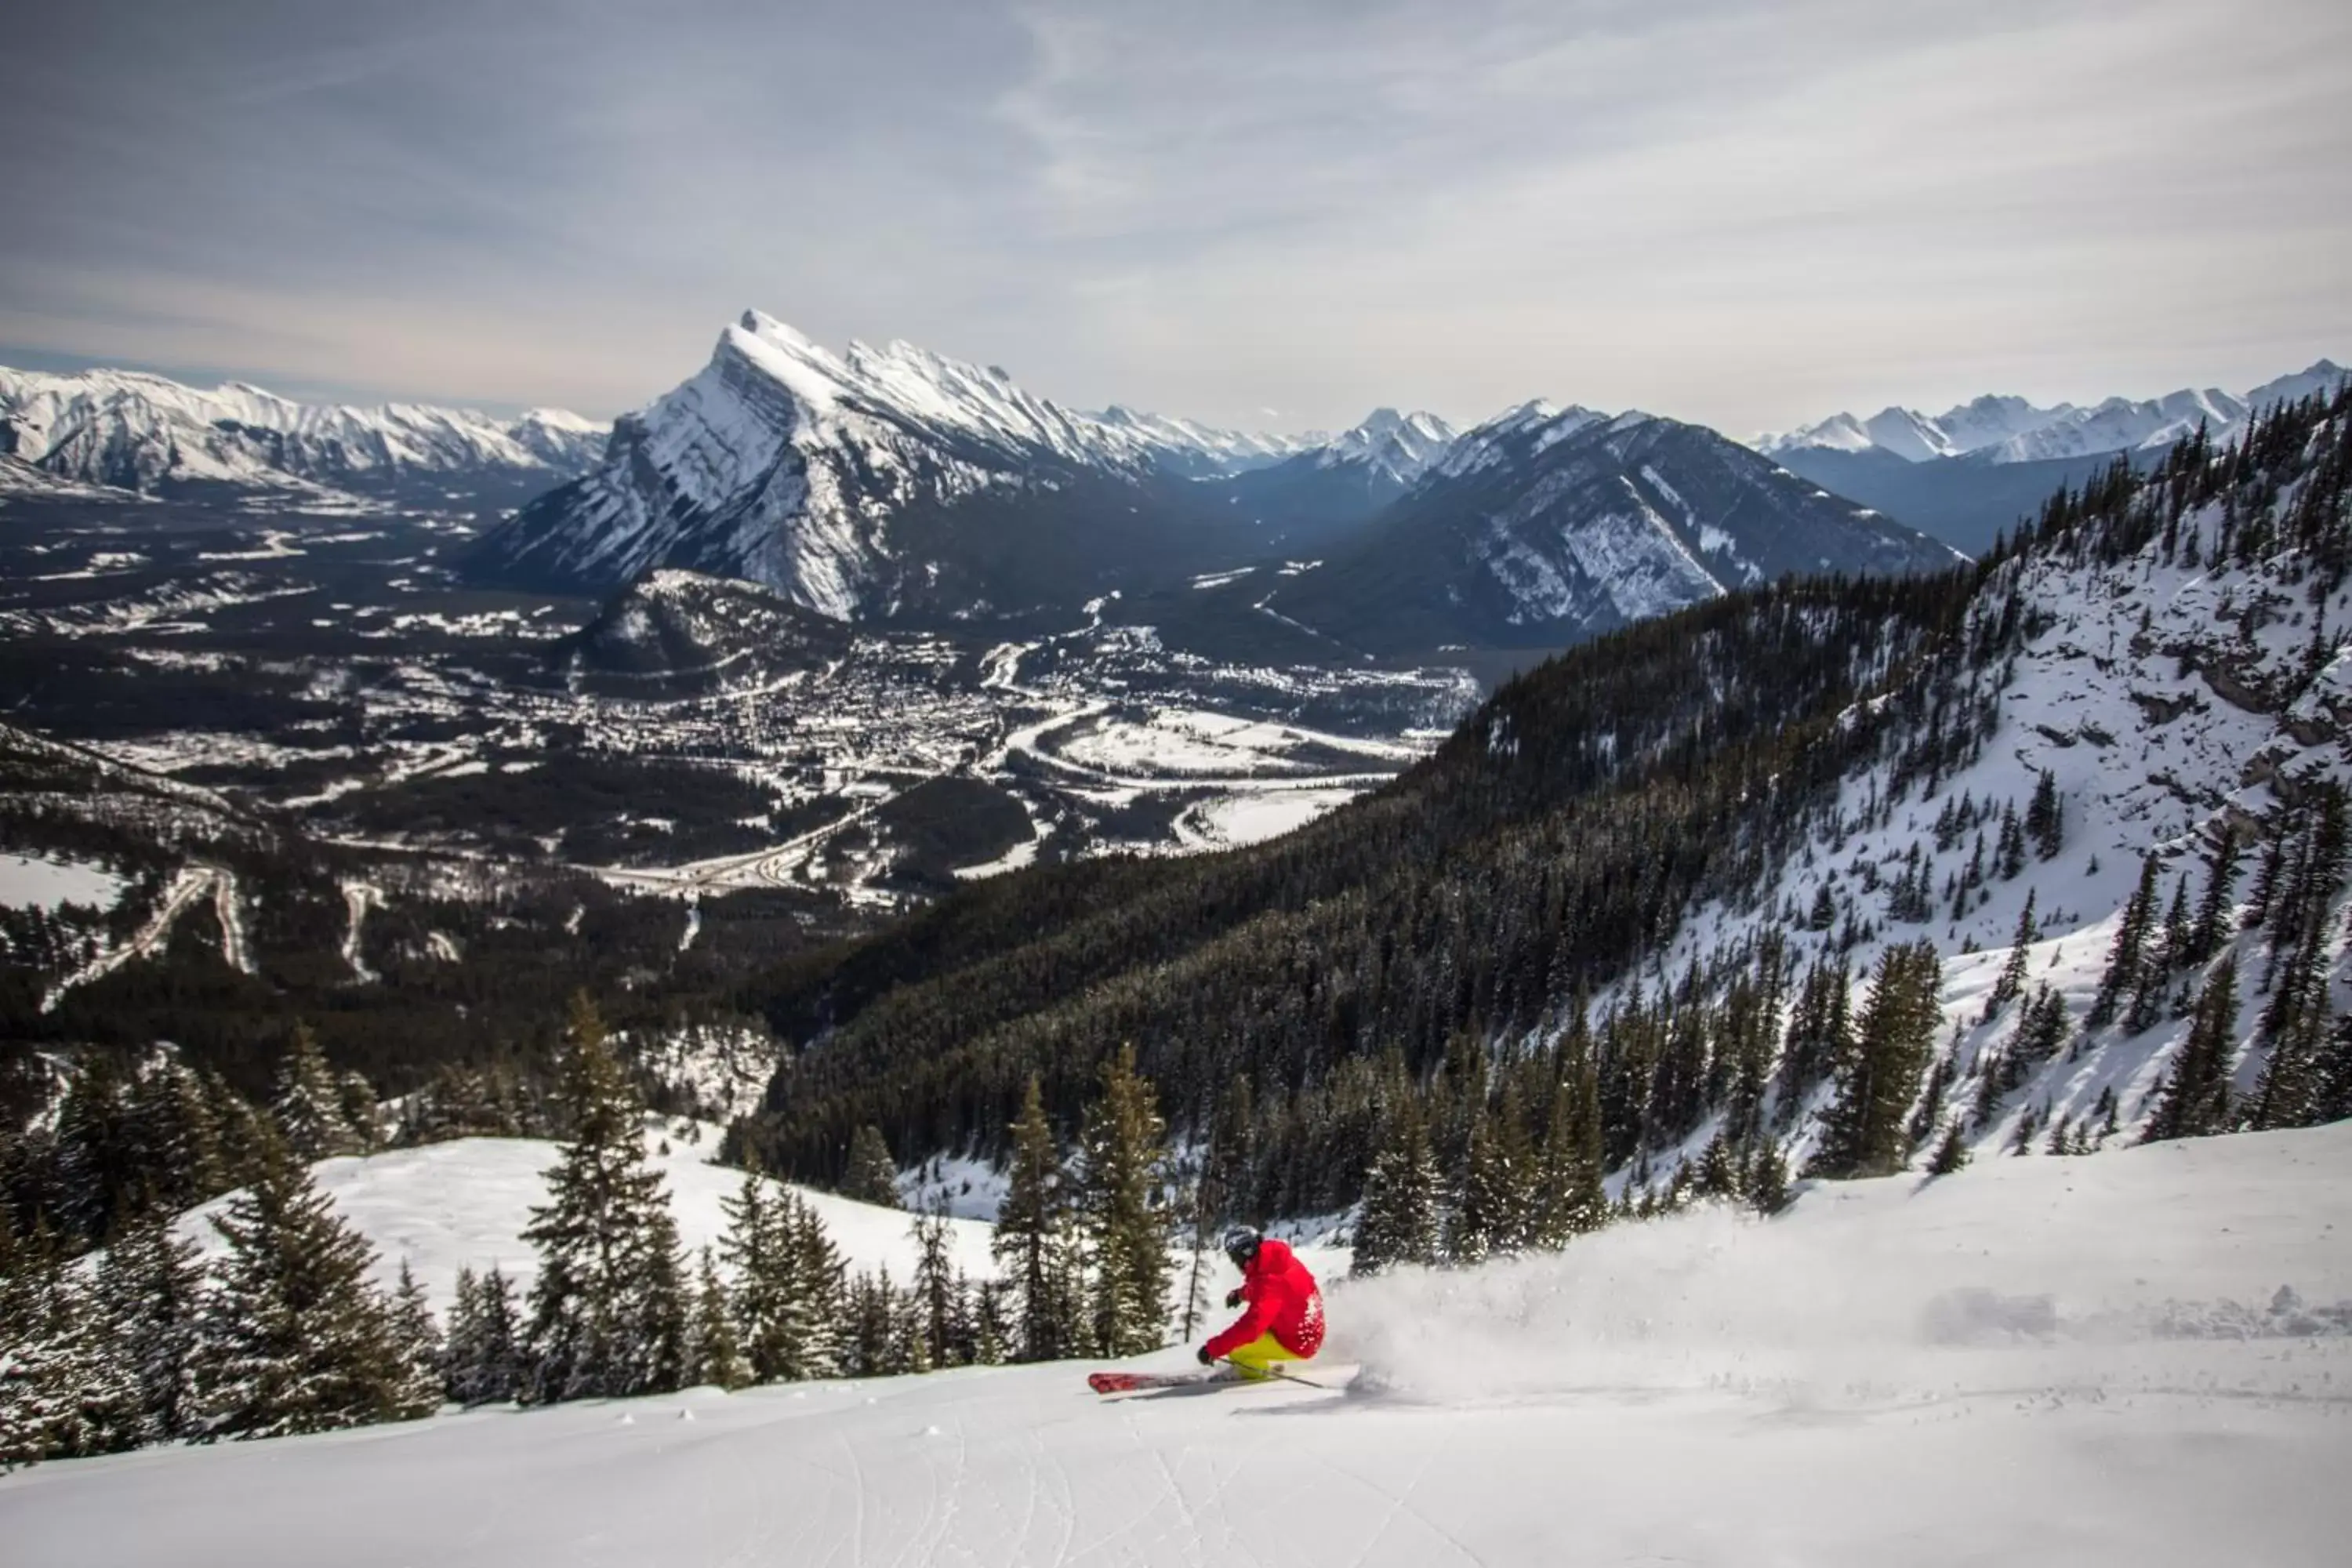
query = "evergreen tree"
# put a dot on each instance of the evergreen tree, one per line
(2045, 818)
(910, 1346)
(152, 1284)
(2179, 935)
(2211, 925)
(1866, 1133)
(356, 1104)
(307, 1103)
(874, 1346)
(760, 1250)
(1491, 1204)
(2195, 1099)
(65, 1388)
(873, 1175)
(2268, 874)
(1768, 1178)
(2129, 951)
(1821, 1031)
(1127, 1229)
(293, 1338)
(1951, 1153)
(934, 1287)
(98, 1180)
(1990, 1073)
(608, 1315)
(989, 1334)
(1718, 1174)
(484, 1358)
(416, 1339)
(2011, 981)
(714, 1351)
(2331, 1094)
(1027, 1236)
(2009, 853)
(811, 1342)
(2289, 1091)
(1399, 1219)
(2040, 1034)
(177, 1138)
(1568, 1199)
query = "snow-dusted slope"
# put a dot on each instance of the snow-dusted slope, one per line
(2081, 1361)
(1994, 429)
(2170, 701)
(1545, 526)
(816, 473)
(138, 431)
(445, 1206)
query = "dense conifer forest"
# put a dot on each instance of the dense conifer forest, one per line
(1429, 954)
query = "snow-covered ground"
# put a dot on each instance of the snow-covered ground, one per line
(464, 1204)
(33, 882)
(2035, 1361)
(1234, 819)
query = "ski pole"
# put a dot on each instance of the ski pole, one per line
(1274, 1369)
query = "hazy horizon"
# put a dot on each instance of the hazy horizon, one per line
(1750, 218)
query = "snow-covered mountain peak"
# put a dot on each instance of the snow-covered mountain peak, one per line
(1401, 445)
(2322, 377)
(785, 463)
(137, 430)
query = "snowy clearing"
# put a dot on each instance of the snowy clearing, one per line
(2036, 1360)
(464, 1203)
(30, 881)
(1236, 819)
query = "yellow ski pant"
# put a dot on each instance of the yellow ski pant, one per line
(1256, 1360)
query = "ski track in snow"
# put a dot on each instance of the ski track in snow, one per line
(358, 898)
(192, 883)
(1990, 1367)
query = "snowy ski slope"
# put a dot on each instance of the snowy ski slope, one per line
(2036, 1360)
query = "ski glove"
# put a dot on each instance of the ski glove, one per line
(1207, 1358)
(1233, 1299)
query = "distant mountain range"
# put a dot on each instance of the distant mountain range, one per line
(1998, 429)
(132, 431)
(1973, 471)
(893, 484)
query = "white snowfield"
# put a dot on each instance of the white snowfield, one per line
(2037, 1361)
(35, 882)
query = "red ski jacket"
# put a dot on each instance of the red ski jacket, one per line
(1283, 1302)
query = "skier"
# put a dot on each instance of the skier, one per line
(1285, 1320)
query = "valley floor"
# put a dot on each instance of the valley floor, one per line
(2142, 1357)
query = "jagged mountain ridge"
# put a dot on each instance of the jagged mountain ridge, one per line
(1995, 429)
(876, 484)
(1547, 526)
(136, 431)
(895, 484)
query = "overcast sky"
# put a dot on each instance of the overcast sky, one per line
(1747, 215)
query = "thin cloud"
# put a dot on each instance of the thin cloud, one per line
(1743, 213)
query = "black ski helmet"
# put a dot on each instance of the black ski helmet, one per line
(1241, 1245)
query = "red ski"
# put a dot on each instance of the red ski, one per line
(1130, 1381)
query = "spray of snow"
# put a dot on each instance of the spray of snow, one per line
(2014, 1274)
